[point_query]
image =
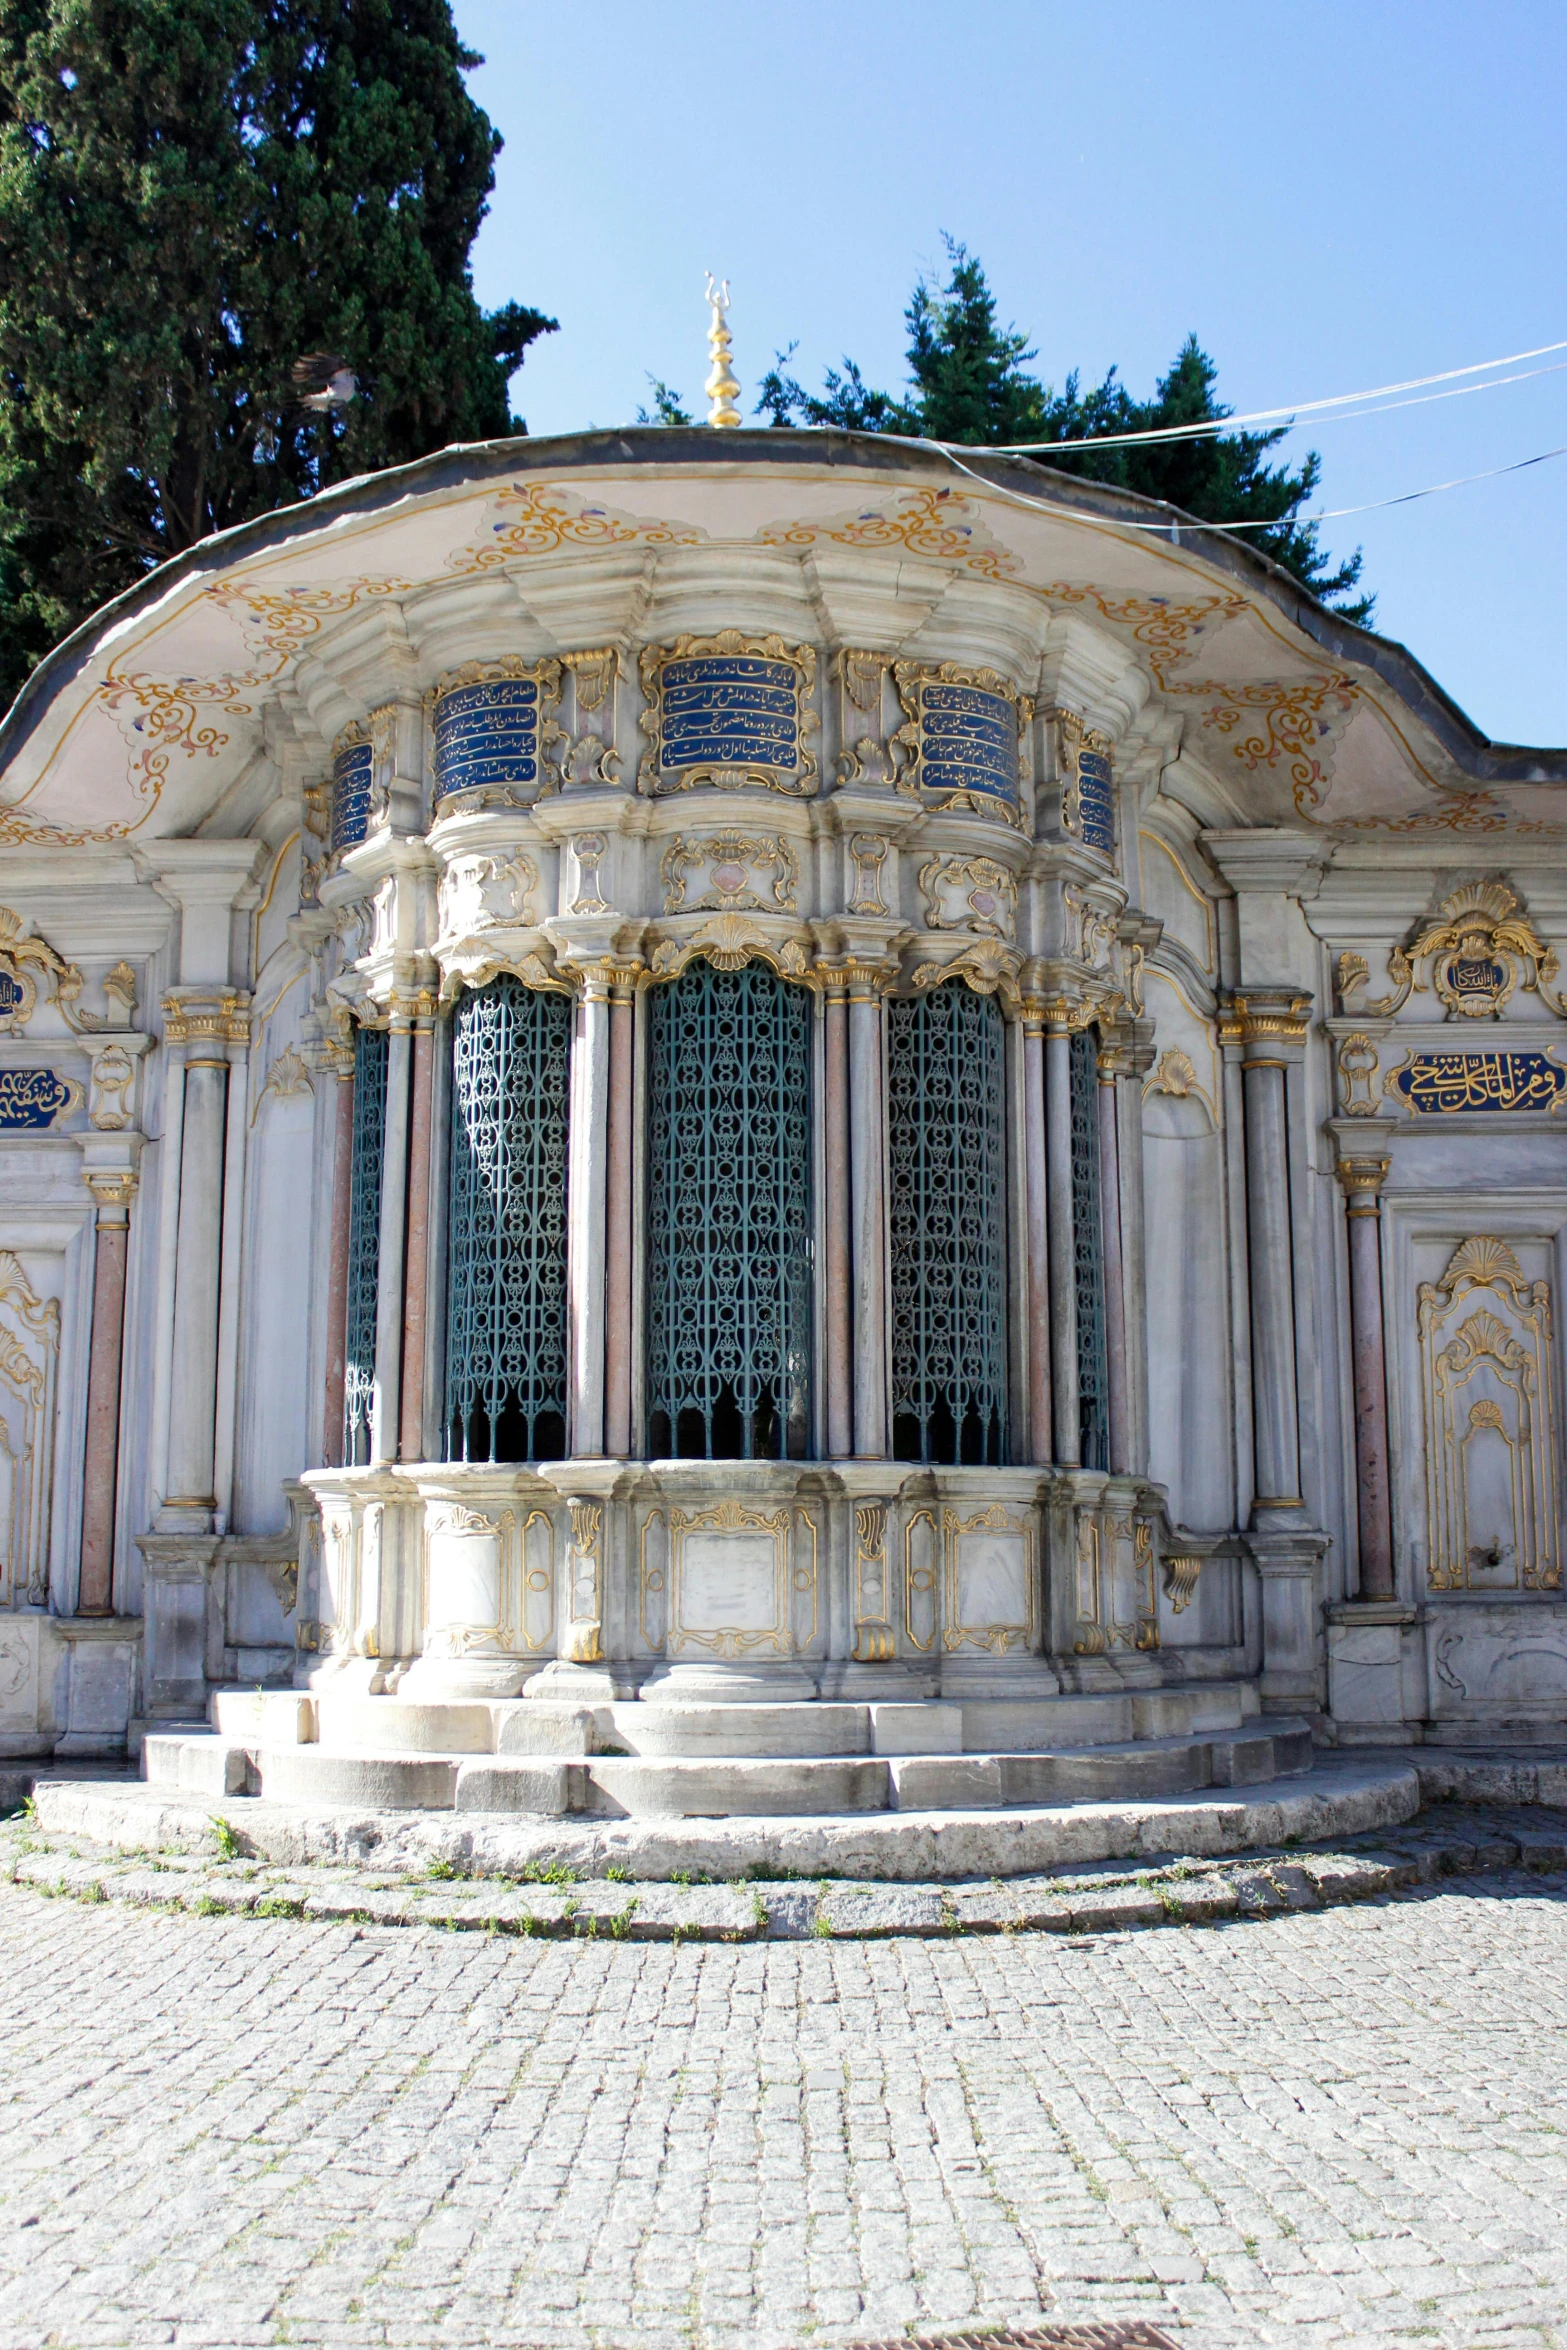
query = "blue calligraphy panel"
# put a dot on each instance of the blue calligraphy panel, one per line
(351, 773)
(12, 994)
(729, 710)
(487, 735)
(1096, 802)
(1437, 1084)
(31, 1099)
(968, 741)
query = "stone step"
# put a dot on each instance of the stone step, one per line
(715, 1786)
(1340, 1795)
(807, 1729)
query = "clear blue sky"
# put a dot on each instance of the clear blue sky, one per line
(1330, 196)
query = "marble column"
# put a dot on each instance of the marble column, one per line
(386, 1401)
(835, 1120)
(586, 1185)
(1265, 1029)
(342, 1065)
(1063, 1257)
(204, 1025)
(1362, 1180)
(112, 1193)
(1129, 1100)
(415, 1307)
(618, 1195)
(867, 1144)
(1271, 1025)
(1040, 1432)
(1110, 1062)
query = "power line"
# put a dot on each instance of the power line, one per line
(1278, 522)
(1317, 408)
(1223, 424)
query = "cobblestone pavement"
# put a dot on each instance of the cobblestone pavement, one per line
(1341, 2126)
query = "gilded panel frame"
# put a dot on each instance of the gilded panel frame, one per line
(657, 782)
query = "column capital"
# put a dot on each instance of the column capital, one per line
(206, 1015)
(1361, 1178)
(113, 1190)
(1270, 1023)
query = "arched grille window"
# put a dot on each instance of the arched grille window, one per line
(729, 1215)
(947, 1218)
(506, 1246)
(1093, 1376)
(364, 1240)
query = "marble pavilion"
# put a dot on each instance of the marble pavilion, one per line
(758, 1094)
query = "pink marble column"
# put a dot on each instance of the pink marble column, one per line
(868, 1211)
(337, 1278)
(410, 1444)
(112, 1192)
(618, 1187)
(1038, 1233)
(1115, 1277)
(835, 1087)
(1362, 1180)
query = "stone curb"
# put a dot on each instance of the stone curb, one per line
(1452, 1842)
(1337, 1799)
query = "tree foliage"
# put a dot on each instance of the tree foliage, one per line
(193, 195)
(970, 383)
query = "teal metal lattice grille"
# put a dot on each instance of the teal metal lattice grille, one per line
(506, 1246)
(364, 1240)
(729, 1216)
(1093, 1378)
(946, 1153)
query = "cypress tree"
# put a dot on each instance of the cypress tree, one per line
(194, 196)
(970, 384)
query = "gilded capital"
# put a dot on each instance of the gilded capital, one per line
(221, 1017)
(113, 1190)
(1362, 1179)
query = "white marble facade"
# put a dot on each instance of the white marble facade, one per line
(1309, 922)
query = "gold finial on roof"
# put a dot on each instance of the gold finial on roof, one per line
(721, 388)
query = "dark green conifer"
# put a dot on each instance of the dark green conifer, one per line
(970, 384)
(194, 195)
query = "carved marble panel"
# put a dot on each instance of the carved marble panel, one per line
(1490, 1436)
(29, 1370)
(730, 872)
(969, 893)
(989, 1561)
(742, 1582)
